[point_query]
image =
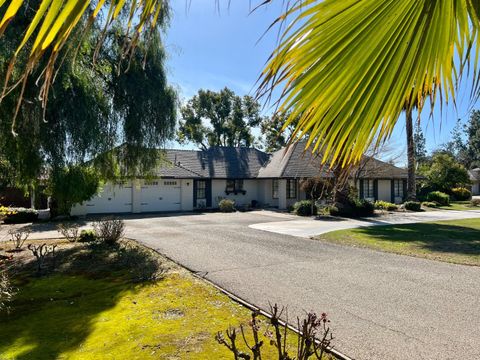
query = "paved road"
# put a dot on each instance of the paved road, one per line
(382, 306)
(308, 227)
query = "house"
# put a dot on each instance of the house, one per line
(474, 175)
(201, 179)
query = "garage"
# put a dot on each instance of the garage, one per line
(114, 198)
(160, 195)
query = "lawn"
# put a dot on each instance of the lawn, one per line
(459, 206)
(122, 303)
(455, 241)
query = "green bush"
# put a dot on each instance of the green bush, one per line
(226, 205)
(87, 236)
(461, 194)
(412, 206)
(429, 204)
(355, 208)
(305, 208)
(385, 205)
(19, 215)
(439, 197)
(110, 230)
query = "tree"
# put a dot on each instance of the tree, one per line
(316, 188)
(457, 146)
(473, 140)
(275, 137)
(444, 173)
(348, 69)
(72, 185)
(92, 108)
(219, 119)
(420, 144)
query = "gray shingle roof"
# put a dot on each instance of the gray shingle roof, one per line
(295, 162)
(216, 162)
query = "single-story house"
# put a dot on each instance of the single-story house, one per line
(191, 180)
(474, 175)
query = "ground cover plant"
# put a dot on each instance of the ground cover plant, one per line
(455, 241)
(119, 301)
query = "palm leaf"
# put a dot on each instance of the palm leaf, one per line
(348, 68)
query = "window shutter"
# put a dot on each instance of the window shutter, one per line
(392, 191)
(404, 189)
(361, 189)
(375, 189)
(208, 192)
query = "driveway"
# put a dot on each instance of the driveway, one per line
(382, 306)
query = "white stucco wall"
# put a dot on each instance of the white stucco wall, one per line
(218, 192)
(385, 190)
(187, 194)
(265, 193)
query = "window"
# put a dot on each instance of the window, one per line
(291, 189)
(398, 188)
(170, 183)
(151, 183)
(201, 189)
(275, 189)
(235, 186)
(368, 191)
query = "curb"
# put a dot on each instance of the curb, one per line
(339, 355)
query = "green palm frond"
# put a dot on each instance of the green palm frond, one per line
(348, 68)
(51, 28)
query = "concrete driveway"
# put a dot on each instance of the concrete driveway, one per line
(382, 306)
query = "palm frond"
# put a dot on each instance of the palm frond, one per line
(348, 68)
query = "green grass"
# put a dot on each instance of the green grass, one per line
(97, 307)
(457, 205)
(450, 241)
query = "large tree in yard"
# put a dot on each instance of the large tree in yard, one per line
(348, 69)
(220, 118)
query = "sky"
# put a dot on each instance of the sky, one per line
(210, 48)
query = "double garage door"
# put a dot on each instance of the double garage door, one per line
(153, 196)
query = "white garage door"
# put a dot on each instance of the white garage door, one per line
(111, 199)
(161, 195)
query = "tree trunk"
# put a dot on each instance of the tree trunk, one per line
(341, 194)
(411, 181)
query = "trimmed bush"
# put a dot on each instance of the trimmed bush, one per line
(18, 215)
(429, 204)
(355, 208)
(305, 208)
(461, 194)
(385, 205)
(110, 230)
(226, 205)
(439, 197)
(412, 206)
(87, 236)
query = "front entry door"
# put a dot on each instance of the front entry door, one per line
(202, 193)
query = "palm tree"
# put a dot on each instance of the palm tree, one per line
(348, 68)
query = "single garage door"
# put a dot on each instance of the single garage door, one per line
(161, 195)
(112, 199)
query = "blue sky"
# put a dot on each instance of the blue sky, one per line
(211, 49)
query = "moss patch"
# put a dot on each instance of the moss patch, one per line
(88, 310)
(455, 241)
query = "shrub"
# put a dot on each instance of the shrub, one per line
(475, 202)
(18, 215)
(412, 205)
(429, 204)
(110, 230)
(69, 231)
(355, 208)
(385, 205)
(19, 236)
(439, 197)
(87, 236)
(7, 291)
(461, 194)
(305, 208)
(226, 205)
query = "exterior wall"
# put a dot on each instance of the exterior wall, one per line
(265, 193)
(250, 186)
(187, 194)
(385, 190)
(282, 194)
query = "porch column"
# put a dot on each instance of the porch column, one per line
(136, 196)
(282, 194)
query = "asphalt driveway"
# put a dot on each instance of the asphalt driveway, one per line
(382, 306)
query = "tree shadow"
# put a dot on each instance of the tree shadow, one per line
(429, 236)
(56, 312)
